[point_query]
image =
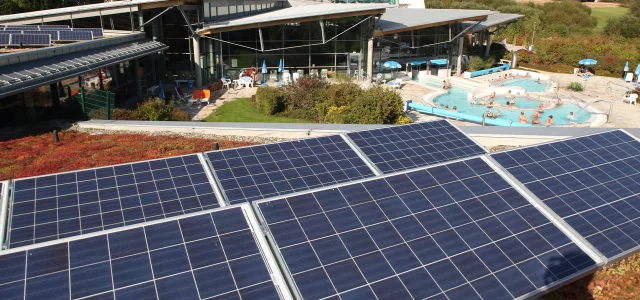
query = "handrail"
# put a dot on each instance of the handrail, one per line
(610, 88)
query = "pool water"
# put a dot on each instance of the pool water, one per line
(458, 97)
(530, 85)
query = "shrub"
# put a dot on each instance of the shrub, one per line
(477, 63)
(303, 96)
(155, 110)
(336, 114)
(576, 86)
(180, 115)
(377, 105)
(626, 26)
(404, 120)
(270, 100)
(124, 114)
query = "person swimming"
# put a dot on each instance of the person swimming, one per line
(497, 114)
(559, 102)
(527, 96)
(571, 116)
(508, 95)
(446, 107)
(523, 119)
(536, 119)
(549, 121)
(541, 109)
(482, 102)
(455, 109)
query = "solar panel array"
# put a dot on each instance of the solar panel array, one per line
(258, 172)
(590, 182)
(17, 39)
(67, 204)
(97, 32)
(415, 145)
(458, 231)
(209, 255)
(75, 35)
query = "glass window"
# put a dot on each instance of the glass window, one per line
(223, 13)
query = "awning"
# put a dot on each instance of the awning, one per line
(438, 62)
(296, 14)
(32, 74)
(491, 21)
(405, 19)
(418, 62)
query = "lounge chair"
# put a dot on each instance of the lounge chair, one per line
(273, 75)
(180, 96)
(206, 96)
(195, 98)
(631, 98)
(246, 82)
(300, 72)
(286, 78)
(397, 84)
(324, 73)
(296, 76)
(629, 77)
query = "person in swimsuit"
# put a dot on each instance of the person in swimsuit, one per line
(523, 119)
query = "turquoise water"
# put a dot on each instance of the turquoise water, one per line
(529, 84)
(458, 97)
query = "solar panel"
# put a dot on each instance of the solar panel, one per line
(4, 204)
(52, 33)
(21, 27)
(50, 27)
(415, 145)
(205, 256)
(30, 40)
(590, 182)
(75, 35)
(4, 39)
(456, 231)
(257, 172)
(67, 204)
(97, 32)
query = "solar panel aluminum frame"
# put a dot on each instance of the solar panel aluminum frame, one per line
(534, 294)
(207, 172)
(552, 215)
(348, 141)
(254, 227)
(4, 206)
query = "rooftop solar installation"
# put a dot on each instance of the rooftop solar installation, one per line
(5, 39)
(590, 182)
(30, 39)
(257, 172)
(67, 204)
(4, 204)
(52, 33)
(75, 35)
(97, 32)
(456, 231)
(209, 255)
(415, 145)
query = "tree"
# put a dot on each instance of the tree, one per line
(625, 26)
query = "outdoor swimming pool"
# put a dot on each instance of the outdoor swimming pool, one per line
(530, 85)
(458, 97)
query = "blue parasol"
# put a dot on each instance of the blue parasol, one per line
(280, 66)
(392, 65)
(160, 90)
(264, 73)
(588, 62)
(626, 69)
(637, 72)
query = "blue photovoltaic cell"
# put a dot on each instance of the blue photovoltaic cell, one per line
(52, 33)
(457, 230)
(30, 39)
(4, 39)
(75, 35)
(258, 172)
(210, 255)
(97, 32)
(416, 145)
(590, 182)
(62, 205)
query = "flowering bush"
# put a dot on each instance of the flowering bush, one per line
(39, 155)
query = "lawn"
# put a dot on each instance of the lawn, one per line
(38, 155)
(241, 110)
(605, 13)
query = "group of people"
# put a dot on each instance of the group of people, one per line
(584, 71)
(252, 72)
(502, 77)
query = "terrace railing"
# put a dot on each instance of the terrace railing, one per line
(616, 88)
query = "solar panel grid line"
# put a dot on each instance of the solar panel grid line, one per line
(209, 173)
(102, 187)
(415, 145)
(548, 212)
(273, 239)
(604, 207)
(361, 154)
(171, 256)
(262, 171)
(4, 206)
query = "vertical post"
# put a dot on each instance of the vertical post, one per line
(212, 62)
(370, 58)
(488, 39)
(141, 20)
(459, 62)
(138, 78)
(100, 79)
(108, 106)
(55, 98)
(68, 94)
(131, 18)
(84, 111)
(196, 60)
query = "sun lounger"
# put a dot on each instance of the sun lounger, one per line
(195, 98)
(206, 96)
(180, 96)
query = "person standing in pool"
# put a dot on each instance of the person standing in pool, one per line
(536, 119)
(559, 102)
(541, 109)
(508, 95)
(482, 102)
(523, 119)
(571, 116)
(455, 109)
(549, 121)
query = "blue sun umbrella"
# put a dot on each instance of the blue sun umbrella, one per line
(160, 90)
(281, 66)
(626, 69)
(264, 73)
(637, 72)
(588, 62)
(392, 65)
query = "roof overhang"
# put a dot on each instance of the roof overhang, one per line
(397, 20)
(492, 21)
(85, 11)
(296, 14)
(28, 70)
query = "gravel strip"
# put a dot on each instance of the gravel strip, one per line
(251, 139)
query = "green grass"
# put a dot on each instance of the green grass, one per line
(605, 13)
(241, 110)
